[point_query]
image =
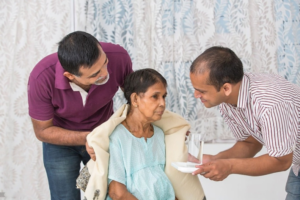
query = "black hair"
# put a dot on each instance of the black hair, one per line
(78, 49)
(140, 80)
(223, 64)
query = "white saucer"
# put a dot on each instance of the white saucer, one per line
(185, 167)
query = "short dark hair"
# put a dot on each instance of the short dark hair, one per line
(140, 80)
(78, 49)
(223, 64)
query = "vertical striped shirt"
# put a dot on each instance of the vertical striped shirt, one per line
(268, 109)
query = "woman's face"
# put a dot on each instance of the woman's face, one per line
(151, 104)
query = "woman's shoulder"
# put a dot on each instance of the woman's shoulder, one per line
(158, 130)
(118, 133)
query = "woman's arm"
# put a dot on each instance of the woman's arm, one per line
(118, 191)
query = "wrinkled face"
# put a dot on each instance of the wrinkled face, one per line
(97, 74)
(208, 94)
(151, 104)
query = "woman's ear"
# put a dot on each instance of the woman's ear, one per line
(227, 89)
(69, 76)
(134, 99)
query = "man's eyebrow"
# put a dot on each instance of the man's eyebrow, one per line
(94, 74)
(99, 70)
(105, 60)
(199, 90)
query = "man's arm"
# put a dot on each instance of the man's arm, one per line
(218, 170)
(238, 160)
(242, 149)
(118, 191)
(46, 132)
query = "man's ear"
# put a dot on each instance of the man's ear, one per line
(69, 76)
(227, 88)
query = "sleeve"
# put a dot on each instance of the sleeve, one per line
(279, 129)
(39, 100)
(116, 170)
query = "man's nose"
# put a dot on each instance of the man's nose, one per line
(197, 94)
(104, 71)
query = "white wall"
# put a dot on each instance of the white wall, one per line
(240, 187)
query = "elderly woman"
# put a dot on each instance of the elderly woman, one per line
(137, 148)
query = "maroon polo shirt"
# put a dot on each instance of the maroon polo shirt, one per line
(50, 95)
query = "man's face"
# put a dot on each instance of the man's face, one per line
(97, 74)
(208, 94)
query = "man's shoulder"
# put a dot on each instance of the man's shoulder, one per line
(110, 48)
(268, 90)
(265, 80)
(44, 65)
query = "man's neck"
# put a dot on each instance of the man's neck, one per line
(84, 87)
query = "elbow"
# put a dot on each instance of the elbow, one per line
(258, 148)
(114, 195)
(285, 163)
(39, 136)
(286, 166)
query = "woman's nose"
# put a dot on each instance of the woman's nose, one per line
(162, 102)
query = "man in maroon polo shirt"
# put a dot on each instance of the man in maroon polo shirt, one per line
(69, 94)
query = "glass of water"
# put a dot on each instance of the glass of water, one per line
(195, 148)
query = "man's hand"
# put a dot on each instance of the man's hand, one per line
(193, 159)
(216, 170)
(206, 158)
(90, 151)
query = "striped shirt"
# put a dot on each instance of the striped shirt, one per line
(268, 109)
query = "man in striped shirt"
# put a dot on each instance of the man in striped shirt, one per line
(260, 109)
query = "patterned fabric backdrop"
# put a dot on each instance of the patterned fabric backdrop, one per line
(168, 35)
(161, 34)
(30, 30)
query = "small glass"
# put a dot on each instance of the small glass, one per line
(195, 147)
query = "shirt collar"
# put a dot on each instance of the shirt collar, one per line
(61, 82)
(243, 92)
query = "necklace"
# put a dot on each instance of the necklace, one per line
(130, 130)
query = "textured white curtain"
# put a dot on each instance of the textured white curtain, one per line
(161, 34)
(29, 30)
(168, 35)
